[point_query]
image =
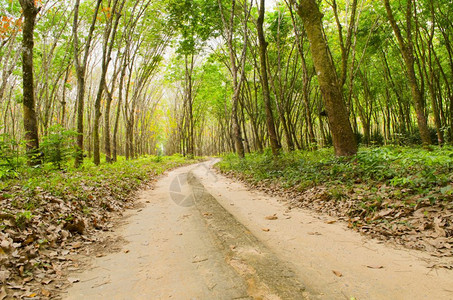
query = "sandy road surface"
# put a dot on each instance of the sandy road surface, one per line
(202, 236)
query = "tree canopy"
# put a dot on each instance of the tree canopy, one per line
(201, 77)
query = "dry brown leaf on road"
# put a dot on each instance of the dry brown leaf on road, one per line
(4, 275)
(271, 218)
(375, 267)
(337, 273)
(314, 233)
(32, 295)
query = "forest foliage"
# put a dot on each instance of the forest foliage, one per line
(200, 77)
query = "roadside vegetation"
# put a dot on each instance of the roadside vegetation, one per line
(392, 193)
(51, 212)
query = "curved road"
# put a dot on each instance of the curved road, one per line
(202, 236)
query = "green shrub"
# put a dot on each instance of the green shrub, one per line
(57, 146)
(10, 157)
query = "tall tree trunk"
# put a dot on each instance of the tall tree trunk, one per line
(407, 50)
(30, 12)
(63, 100)
(107, 148)
(237, 78)
(305, 81)
(188, 91)
(109, 40)
(80, 71)
(342, 135)
(275, 146)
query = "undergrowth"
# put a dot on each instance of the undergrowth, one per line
(83, 184)
(404, 171)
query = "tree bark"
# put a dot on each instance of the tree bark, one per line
(407, 50)
(305, 81)
(30, 12)
(275, 146)
(109, 39)
(237, 80)
(342, 135)
(80, 71)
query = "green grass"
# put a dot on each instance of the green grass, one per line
(400, 173)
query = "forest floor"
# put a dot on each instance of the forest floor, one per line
(200, 235)
(395, 194)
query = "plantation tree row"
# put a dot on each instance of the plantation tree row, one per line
(308, 73)
(88, 73)
(205, 77)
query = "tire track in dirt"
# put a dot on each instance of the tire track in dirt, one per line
(267, 276)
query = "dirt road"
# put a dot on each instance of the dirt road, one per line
(202, 236)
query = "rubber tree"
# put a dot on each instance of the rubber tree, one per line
(407, 51)
(237, 65)
(110, 32)
(275, 145)
(343, 137)
(80, 67)
(30, 11)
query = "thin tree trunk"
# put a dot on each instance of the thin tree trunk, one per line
(80, 71)
(237, 81)
(109, 40)
(407, 50)
(275, 146)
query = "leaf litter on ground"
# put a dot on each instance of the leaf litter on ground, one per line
(394, 194)
(46, 222)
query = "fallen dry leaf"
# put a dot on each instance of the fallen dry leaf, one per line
(273, 217)
(375, 267)
(16, 287)
(77, 245)
(73, 280)
(45, 293)
(26, 280)
(314, 233)
(32, 295)
(337, 273)
(331, 222)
